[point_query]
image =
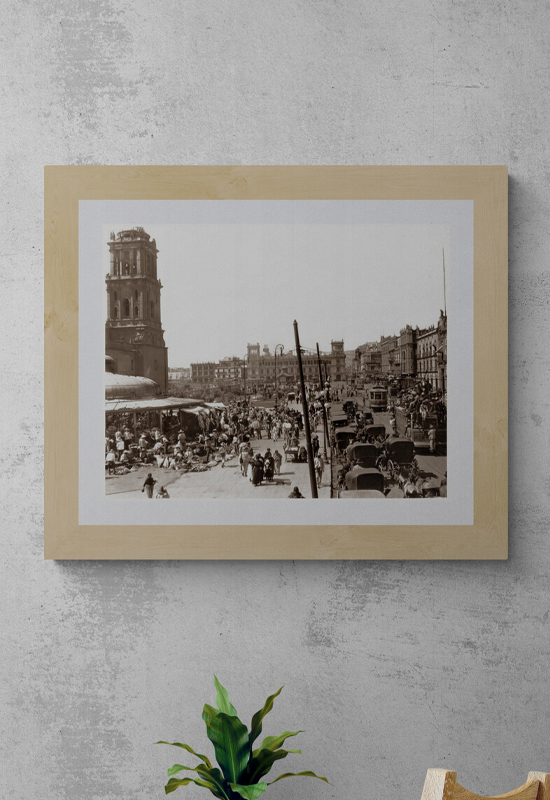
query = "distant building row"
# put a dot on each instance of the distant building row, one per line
(279, 367)
(416, 353)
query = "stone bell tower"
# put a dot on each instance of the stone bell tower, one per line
(133, 331)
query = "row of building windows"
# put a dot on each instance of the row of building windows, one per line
(126, 307)
(426, 365)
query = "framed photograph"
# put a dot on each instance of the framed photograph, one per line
(231, 338)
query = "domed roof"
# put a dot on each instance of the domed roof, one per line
(129, 387)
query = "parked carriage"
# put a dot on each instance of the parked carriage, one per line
(339, 420)
(363, 494)
(344, 436)
(374, 432)
(365, 454)
(370, 482)
(349, 406)
(400, 457)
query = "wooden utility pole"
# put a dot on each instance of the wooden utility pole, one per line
(307, 428)
(325, 422)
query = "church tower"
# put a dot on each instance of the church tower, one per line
(133, 331)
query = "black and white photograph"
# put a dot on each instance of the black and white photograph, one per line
(276, 361)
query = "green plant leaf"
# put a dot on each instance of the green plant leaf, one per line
(175, 769)
(208, 713)
(307, 772)
(222, 700)
(274, 742)
(230, 739)
(174, 783)
(250, 792)
(257, 719)
(260, 764)
(212, 779)
(211, 775)
(214, 775)
(189, 750)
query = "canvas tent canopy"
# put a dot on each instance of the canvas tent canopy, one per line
(151, 404)
(161, 408)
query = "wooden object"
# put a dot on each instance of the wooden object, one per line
(486, 187)
(441, 784)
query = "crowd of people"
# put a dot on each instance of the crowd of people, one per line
(233, 431)
(424, 405)
(238, 430)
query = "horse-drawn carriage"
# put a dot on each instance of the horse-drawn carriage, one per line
(375, 433)
(349, 406)
(362, 482)
(339, 421)
(344, 436)
(400, 458)
(365, 454)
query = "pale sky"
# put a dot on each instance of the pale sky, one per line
(226, 285)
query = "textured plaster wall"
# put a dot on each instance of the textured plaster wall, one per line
(390, 667)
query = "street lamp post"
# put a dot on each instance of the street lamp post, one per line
(244, 377)
(325, 422)
(276, 379)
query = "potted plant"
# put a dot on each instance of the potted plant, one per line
(240, 766)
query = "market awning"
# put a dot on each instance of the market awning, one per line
(153, 404)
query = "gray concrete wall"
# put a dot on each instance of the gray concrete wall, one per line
(390, 667)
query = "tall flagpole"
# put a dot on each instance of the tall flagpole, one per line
(444, 286)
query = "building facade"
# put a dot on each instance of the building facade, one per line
(179, 374)
(229, 370)
(204, 372)
(353, 364)
(390, 359)
(415, 353)
(407, 351)
(371, 360)
(261, 367)
(442, 351)
(367, 360)
(267, 368)
(337, 362)
(134, 337)
(426, 355)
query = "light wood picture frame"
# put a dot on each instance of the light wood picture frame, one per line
(485, 187)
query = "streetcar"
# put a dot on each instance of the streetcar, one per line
(378, 398)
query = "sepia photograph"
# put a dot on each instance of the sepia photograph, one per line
(275, 361)
(229, 339)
